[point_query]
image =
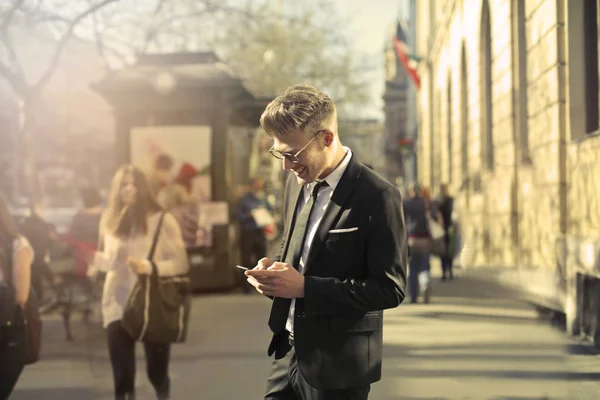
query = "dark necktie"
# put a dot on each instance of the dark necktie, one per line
(296, 245)
(280, 309)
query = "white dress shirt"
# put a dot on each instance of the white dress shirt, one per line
(316, 216)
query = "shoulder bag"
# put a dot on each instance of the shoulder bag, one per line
(158, 307)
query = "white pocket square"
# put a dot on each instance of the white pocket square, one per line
(345, 230)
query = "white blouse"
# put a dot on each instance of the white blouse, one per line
(21, 278)
(19, 244)
(170, 258)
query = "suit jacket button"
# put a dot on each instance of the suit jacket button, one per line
(301, 315)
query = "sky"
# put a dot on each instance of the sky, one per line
(367, 29)
(369, 22)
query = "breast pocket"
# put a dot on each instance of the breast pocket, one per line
(341, 238)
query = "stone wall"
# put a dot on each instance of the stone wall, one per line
(512, 213)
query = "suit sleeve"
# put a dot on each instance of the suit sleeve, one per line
(277, 256)
(385, 284)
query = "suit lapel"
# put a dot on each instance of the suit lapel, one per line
(342, 192)
(294, 196)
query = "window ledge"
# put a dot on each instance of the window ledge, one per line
(585, 137)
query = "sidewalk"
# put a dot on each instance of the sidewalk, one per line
(474, 341)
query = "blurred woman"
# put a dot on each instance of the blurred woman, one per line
(16, 256)
(127, 229)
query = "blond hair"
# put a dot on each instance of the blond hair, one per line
(298, 107)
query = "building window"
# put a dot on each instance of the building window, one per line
(464, 123)
(439, 149)
(591, 39)
(485, 79)
(520, 80)
(449, 128)
(432, 147)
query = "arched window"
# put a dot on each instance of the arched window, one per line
(520, 80)
(449, 127)
(591, 39)
(464, 122)
(583, 42)
(437, 148)
(485, 84)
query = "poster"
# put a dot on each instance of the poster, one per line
(190, 149)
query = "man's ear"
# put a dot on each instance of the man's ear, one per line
(328, 138)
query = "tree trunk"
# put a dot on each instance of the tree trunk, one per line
(27, 158)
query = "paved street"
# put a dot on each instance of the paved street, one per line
(470, 343)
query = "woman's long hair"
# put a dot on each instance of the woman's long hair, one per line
(124, 220)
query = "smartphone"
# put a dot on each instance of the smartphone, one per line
(244, 268)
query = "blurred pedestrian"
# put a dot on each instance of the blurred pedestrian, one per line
(176, 197)
(16, 257)
(253, 240)
(41, 236)
(84, 229)
(416, 210)
(83, 239)
(160, 176)
(127, 228)
(445, 206)
(343, 262)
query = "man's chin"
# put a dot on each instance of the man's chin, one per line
(301, 181)
(302, 178)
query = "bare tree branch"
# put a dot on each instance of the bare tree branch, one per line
(43, 17)
(13, 80)
(152, 30)
(12, 55)
(9, 16)
(65, 39)
(99, 42)
(4, 37)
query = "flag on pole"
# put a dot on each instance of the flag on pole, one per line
(408, 59)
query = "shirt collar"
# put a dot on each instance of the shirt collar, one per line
(334, 178)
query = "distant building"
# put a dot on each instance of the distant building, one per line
(400, 106)
(366, 139)
(510, 99)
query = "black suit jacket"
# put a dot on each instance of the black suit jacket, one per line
(350, 278)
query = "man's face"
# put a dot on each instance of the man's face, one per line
(258, 185)
(312, 159)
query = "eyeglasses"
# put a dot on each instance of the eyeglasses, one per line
(293, 158)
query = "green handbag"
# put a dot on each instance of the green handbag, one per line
(158, 307)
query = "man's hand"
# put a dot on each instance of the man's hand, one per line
(278, 280)
(263, 264)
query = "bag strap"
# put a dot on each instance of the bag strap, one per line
(154, 242)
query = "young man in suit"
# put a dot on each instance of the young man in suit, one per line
(342, 261)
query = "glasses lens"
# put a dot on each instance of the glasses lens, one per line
(280, 156)
(276, 154)
(291, 158)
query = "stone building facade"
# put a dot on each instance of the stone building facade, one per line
(400, 101)
(509, 114)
